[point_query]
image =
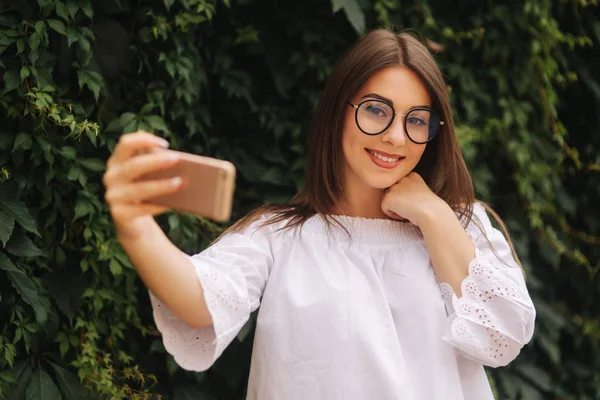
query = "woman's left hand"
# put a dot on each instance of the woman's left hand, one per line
(410, 199)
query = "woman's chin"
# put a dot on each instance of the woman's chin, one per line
(383, 184)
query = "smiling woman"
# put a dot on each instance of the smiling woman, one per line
(373, 281)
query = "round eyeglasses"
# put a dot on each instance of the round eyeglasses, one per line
(373, 117)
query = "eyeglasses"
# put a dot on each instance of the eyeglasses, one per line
(373, 117)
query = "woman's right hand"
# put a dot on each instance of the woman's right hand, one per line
(125, 194)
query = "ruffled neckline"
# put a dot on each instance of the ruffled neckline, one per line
(373, 230)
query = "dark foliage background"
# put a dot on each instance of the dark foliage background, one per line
(238, 79)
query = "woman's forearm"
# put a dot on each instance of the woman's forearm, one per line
(169, 275)
(450, 248)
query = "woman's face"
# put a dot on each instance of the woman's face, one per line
(380, 161)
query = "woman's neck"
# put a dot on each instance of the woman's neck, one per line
(362, 202)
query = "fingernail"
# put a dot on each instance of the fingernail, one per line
(163, 143)
(176, 181)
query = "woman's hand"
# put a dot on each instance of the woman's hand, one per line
(410, 199)
(125, 194)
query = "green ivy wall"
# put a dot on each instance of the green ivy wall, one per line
(238, 79)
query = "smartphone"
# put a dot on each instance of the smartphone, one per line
(207, 188)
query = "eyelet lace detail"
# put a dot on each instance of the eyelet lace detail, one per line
(475, 325)
(197, 349)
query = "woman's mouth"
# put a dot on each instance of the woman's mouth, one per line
(384, 160)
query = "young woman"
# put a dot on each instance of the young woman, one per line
(381, 279)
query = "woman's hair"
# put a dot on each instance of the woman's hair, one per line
(442, 165)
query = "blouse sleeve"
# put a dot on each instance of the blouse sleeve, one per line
(495, 316)
(233, 273)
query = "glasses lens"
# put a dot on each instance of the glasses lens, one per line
(422, 125)
(374, 116)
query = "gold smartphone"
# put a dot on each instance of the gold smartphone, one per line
(207, 188)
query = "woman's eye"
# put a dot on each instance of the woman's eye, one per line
(376, 111)
(416, 121)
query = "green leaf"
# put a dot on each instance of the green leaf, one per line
(25, 72)
(73, 36)
(73, 7)
(73, 173)
(26, 288)
(86, 7)
(93, 164)
(115, 267)
(57, 25)
(20, 46)
(156, 122)
(126, 118)
(61, 10)
(66, 288)
(19, 212)
(83, 207)
(41, 387)
(68, 152)
(10, 353)
(68, 383)
(22, 142)
(12, 80)
(34, 40)
(354, 13)
(20, 245)
(7, 225)
(22, 373)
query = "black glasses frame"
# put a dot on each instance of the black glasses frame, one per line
(394, 113)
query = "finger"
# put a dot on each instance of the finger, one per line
(140, 191)
(135, 167)
(132, 143)
(126, 211)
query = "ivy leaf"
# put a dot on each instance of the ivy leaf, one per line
(115, 267)
(156, 122)
(12, 80)
(92, 80)
(68, 383)
(19, 212)
(57, 26)
(7, 225)
(68, 152)
(22, 142)
(41, 387)
(20, 245)
(25, 72)
(22, 374)
(354, 13)
(83, 207)
(61, 10)
(9, 353)
(66, 288)
(34, 40)
(72, 36)
(26, 288)
(86, 7)
(93, 164)
(73, 7)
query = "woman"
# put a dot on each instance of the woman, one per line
(381, 279)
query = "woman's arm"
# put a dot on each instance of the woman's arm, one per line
(450, 248)
(168, 273)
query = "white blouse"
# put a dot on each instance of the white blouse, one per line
(356, 314)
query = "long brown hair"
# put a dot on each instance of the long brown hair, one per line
(442, 165)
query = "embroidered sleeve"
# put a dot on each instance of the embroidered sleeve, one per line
(232, 273)
(495, 316)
